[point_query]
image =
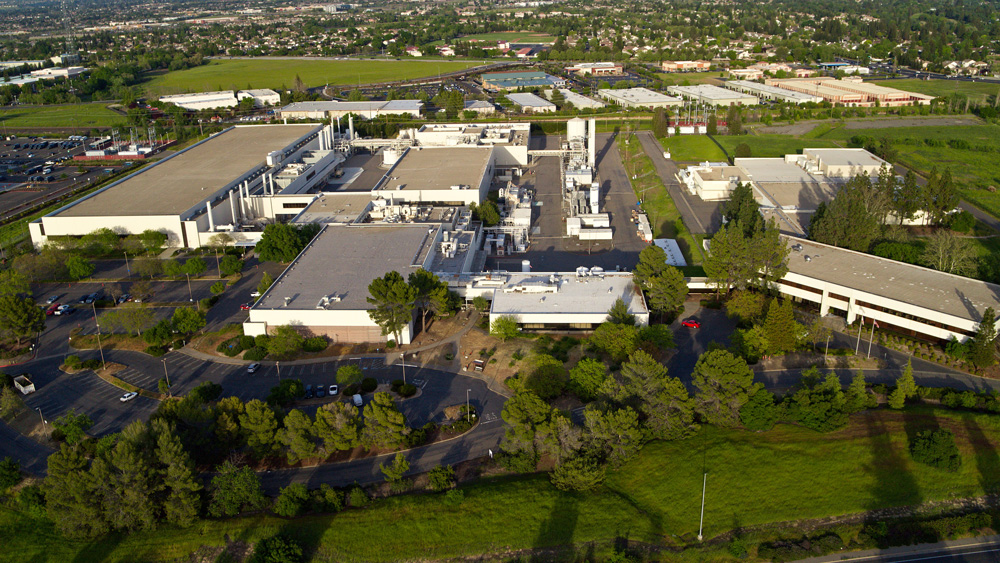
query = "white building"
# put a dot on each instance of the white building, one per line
(57, 72)
(597, 69)
(900, 297)
(639, 98)
(457, 175)
(765, 92)
(842, 163)
(480, 106)
(579, 101)
(334, 109)
(530, 103)
(559, 301)
(203, 100)
(231, 182)
(712, 182)
(510, 140)
(713, 95)
(261, 97)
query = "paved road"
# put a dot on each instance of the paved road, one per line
(972, 550)
(31, 454)
(700, 217)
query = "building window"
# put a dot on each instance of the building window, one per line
(294, 205)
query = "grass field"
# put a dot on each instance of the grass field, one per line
(78, 115)
(973, 171)
(786, 474)
(512, 37)
(687, 78)
(772, 145)
(262, 73)
(693, 148)
(943, 87)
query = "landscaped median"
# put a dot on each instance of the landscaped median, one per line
(107, 372)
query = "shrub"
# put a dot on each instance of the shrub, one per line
(396, 384)
(327, 499)
(218, 287)
(10, 473)
(261, 340)
(352, 389)
(315, 344)
(936, 448)
(255, 354)
(292, 500)
(357, 497)
(93, 363)
(231, 347)
(369, 384)
(454, 497)
(517, 462)
(73, 362)
(407, 390)
(441, 478)
(31, 500)
(246, 342)
(156, 351)
(277, 549)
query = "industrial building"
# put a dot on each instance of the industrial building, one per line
(765, 92)
(324, 290)
(713, 95)
(335, 110)
(842, 163)
(510, 140)
(712, 181)
(229, 182)
(504, 81)
(901, 297)
(639, 98)
(458, 175)
(597, 69)
(559, 301)
(851, 92)
(481, 107)
(579, 101)
(57, 72)
(222, 99)
(530, 103)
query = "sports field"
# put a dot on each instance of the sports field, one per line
(789, 473)
(238, 74)
(943, 87)
(77, 115)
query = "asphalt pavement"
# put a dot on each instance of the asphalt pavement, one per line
(700, 217)
(985, 549)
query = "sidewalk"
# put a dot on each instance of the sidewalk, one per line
(905, 550)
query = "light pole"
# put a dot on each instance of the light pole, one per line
(402, 362)
(40, 415)
(468, 413)
(190, 293)
(93, 305)
(701, 524)
(127, 269)
(278, 366)
(167, 377)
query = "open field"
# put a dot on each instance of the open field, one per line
(239, 74)
(511, 37)
(693, 148)
(786, 474)
(688, 78)
(77, 115)
(772, 145)
(943, 87)
(974, 171)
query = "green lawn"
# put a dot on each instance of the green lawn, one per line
(974, 171)
(512, 37)
(78, 115)
(693, 148)
(772, 145)
(786, 474)
(688, 78)
(943, 87)
(269, 73)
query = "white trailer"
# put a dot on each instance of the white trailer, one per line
(24, 385)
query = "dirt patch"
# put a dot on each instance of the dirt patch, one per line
(440, 329)
(801, 360)
(209, 341)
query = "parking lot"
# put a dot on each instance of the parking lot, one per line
(31, 174)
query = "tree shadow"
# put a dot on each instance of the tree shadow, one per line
(558, 530)
(987, 464)
(893, 484)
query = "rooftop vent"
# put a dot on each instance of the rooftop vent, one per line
(808, 258)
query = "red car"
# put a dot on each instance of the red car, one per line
(691, 323)
(52, 309)
(245, 307)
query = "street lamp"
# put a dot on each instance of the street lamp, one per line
(166, 376)
(278, 366)
(402, 362)
(190, 293)
(93, 305)
(701, 524)
(468, 413)
(40, 415)
(127, 269)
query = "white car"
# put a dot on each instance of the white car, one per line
(128, 396)
(334, 390)
(357, 401)
(253, 367)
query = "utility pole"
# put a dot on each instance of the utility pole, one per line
(93, 306)
(167, 377)
(190, 294)
(127, 269)
(827, 353)
(40, 415)
(870, 338)
(277, 366)
(468, 413)
(860, 326)
(402, 362)
(701, 524)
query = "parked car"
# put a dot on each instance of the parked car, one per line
(253, 367)
(52, 309)
(52, 299)
(320, 391)
(62, 310)
(309, 391)
(334, 390)
(691, 323)
(123, 298)
(245, 307)
(255, 294)
(128, 396)
(357, 400)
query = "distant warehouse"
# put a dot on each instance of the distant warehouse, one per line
(530, 103)
(222, 99)
(713, 95)
(334, 109)
(579, 101)
(851, 92)
(503, 81)
(639, 98)
(766, 92)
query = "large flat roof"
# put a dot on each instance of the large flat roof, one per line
(336, 207)
(936, 291)
(530, 100)
(439, 168)
(845, 157)
(342, 260)
(575, 294)
(710, 92)
(175, 185)
(638, 96)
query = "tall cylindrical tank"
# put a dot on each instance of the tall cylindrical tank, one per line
(576, 128)
(526, 266)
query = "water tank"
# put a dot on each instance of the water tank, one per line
(576, 128)
(525, 266)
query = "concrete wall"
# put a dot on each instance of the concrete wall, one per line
(337, 324)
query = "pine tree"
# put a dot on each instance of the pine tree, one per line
(70, 495)
(298, 435)
(906, 387)
(780, 327)
(259, 425)
(982, 354)
(180, 480)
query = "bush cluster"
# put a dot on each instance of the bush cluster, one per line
(235, 345)
(255, 354)
(404, 389)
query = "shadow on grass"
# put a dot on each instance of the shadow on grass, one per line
(99, 549)
(987, 464)
(893, 485)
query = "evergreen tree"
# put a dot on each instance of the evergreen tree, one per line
(70, 495)
(780, 327)
(982, 353)
(392, 299)
(661, 125)
(857, 397)
(760, 412)
(854, 218)
(668, 291)
(127, 480)
(338, 426)
(906, 387)
(298, 435)
(664, 403)
(259, 426)
(743, 210)
(615, 433)
(652, 263)
(724, 383)
(524, 413)
(235, 489)
(384, 425)
(619, 314)
(180, 480)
